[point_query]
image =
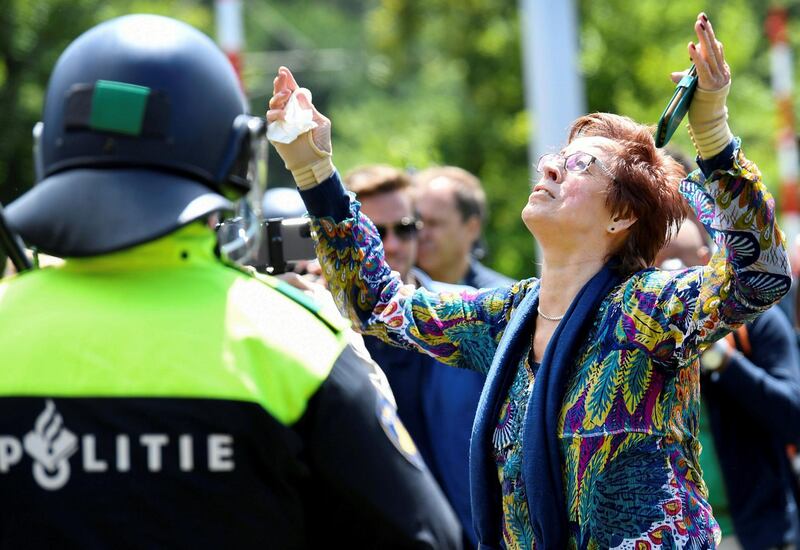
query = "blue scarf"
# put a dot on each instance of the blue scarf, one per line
(541, 458)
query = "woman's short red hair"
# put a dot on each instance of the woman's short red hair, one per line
(645, 186)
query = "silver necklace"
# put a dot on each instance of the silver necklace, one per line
(539, 310)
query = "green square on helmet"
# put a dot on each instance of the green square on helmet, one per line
(118, 107)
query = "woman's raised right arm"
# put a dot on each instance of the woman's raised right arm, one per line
(458, 329)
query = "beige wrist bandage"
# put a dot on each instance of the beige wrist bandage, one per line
(708, 121)
(309, 164)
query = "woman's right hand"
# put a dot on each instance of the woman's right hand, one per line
(309, 156)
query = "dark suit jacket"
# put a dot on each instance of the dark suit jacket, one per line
(754, 409)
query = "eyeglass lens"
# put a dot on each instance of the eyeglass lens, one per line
(576, 162)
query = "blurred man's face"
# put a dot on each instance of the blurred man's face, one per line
(446, 238)
(387, 211)
(686, 249)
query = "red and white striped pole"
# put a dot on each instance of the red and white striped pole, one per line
(786, 142)
(230, 32)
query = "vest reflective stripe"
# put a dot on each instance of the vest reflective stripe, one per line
(173, 322)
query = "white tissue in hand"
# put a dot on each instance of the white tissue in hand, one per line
(297, 120)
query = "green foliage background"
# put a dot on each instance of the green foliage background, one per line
(414, 83)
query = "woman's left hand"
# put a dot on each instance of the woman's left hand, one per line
(708, 115)
(708, 57)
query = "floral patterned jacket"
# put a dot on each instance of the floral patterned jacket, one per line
(628, 424)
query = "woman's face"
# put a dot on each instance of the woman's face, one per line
(567, 205)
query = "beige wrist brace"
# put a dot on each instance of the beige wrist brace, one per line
(308, 164)
(708, 121)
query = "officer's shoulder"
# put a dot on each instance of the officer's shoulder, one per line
(281, 300)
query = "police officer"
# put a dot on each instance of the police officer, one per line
(150, 395)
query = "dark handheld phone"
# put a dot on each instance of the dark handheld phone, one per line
(677, 108)
(283, 242)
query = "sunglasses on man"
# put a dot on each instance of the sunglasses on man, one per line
(406, 229)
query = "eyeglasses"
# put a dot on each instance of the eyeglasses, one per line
(406, 229)
(576, 162)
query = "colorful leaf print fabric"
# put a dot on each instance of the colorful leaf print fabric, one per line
(629, 418)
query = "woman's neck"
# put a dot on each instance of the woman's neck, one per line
(562, 278)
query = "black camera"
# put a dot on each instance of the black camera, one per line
(283, 242)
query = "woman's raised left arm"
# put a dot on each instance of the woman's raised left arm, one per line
(749, 270)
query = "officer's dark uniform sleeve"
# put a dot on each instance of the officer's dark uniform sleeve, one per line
(370, 488)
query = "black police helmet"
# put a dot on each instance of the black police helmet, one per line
(145, 130)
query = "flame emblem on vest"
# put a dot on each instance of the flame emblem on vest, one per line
(50, 445)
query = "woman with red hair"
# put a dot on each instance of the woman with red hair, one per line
(586, 432)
